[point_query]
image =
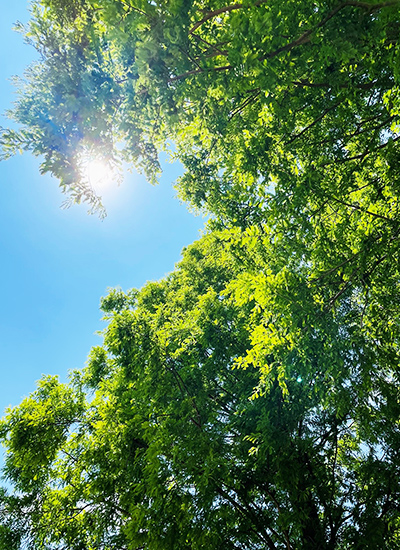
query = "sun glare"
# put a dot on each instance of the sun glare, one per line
(98, 173)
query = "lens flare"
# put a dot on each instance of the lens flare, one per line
(98, 174)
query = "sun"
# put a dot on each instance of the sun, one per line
(98, 173)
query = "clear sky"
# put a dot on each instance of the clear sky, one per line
(56, 264)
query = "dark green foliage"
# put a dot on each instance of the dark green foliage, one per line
(228, 410)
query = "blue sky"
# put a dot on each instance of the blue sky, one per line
(56, 264)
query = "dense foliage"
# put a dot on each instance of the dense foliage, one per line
(251, 400)
(179, 444)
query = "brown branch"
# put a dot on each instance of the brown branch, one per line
(353, 257)
(192, 59)
(368, 129)
(357, 207)
(336, 296)
(226, 9)
(70, 455)
(347, 137)
(232, 7)
(363, 123)
(245, 104)
(131, 8)
(184, 389)
(247, 513)
(333, 269)
(318, 119)
(305, 37)
(367, 273)
(223, 53)
(372, 7)
(381, 259)
(307, 84)
(284, 531)
(361, 156)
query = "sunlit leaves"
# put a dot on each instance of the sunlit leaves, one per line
(140, 73)
(249, 399)
(227, 407)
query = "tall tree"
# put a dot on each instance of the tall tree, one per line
(261, 92)
(167, 450)
(284, 115)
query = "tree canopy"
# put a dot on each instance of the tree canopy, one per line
(251, 399)
(256, 94)
(212, 417)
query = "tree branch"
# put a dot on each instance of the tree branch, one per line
(318, 119)
(361, 156)
(305, 37)
(198, 71)
(307, 84)
(357, 207)
(184, 389)
(225, 9)
(246, 512)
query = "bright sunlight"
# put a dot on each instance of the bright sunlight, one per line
(99, 174)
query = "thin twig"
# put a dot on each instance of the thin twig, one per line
(318, 119)
(357, 207)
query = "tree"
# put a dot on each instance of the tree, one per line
(256, 92)
(250, 399)
(284, 118)
(168, 451)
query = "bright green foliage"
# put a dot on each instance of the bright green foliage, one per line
(251, 400)
(226, 409)
(285, 116)
(259, 93)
